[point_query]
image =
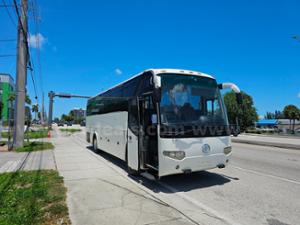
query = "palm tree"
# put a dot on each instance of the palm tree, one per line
(27, 100)
(35, 109)
(291, 112)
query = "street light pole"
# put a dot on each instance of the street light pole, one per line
(51, 96)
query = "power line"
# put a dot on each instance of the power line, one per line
(24, 33)
(34, 85)
(35, 14)
(7, 40)
(5, 5)
(8, 13)
(7, 55)
(29, 61)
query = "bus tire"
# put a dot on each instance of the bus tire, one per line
(95, 145)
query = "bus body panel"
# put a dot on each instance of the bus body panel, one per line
(111, 132)
(195, 159)
(133, 151)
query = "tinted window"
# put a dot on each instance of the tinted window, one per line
(133, 118)
(130, 87)
(101, 105)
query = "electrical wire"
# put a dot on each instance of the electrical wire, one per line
(29, 60)
(7, 55)
(35, 14)
(8, 13)
(24, 33)
(7, 40)
(34, 85)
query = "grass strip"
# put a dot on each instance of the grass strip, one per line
(35, 146)
(33, 197)
(70, 130)
(42, 133)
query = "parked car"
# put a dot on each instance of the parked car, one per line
(82, 123)
(235, 129)
(60, 124)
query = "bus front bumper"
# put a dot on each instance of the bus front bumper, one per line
(193, 164)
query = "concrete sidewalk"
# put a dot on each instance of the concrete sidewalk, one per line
(97, 194)
(280, 142)
(13, 161)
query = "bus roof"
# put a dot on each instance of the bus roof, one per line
(180, 71)
(160, 71)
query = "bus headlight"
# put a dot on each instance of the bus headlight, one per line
(179, 155)
(227, 150)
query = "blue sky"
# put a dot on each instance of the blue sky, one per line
(89, 46)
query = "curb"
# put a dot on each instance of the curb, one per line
(270, 144)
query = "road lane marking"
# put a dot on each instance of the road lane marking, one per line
(266, 175)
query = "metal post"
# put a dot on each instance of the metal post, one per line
(21, 78)
(51, 97)
(42, 113)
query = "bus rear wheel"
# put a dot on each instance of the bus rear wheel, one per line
(95, 145)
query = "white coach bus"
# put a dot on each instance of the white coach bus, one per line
(164, 121)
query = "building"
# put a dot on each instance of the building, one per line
(285, 125)
(280, 125)
(7, 87)
(78, 113)
(267, 123)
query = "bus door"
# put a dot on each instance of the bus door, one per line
(148, 133)
(142, 150)
(132, 156)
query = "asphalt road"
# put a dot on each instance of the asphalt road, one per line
(260, 186)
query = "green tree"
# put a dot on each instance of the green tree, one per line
(67, 118)
(291, 112)
(12, 97)
(270, 115)
(27, 100)
(35, 110)
(279, 114)
(245, 113)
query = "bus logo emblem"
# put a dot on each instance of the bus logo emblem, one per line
(205, 148)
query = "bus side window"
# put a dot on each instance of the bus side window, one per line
(133, 117)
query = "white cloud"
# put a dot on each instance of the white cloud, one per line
(299, 95)
(36, 40)
(118, 71)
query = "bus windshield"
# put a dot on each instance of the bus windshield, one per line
(189, 99)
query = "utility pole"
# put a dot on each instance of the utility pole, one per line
(42, 114)
(21, 77)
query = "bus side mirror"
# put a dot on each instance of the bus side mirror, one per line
(234, 88)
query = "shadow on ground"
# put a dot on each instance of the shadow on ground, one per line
(180, 182)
